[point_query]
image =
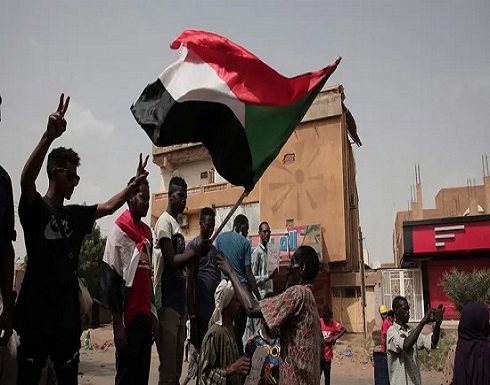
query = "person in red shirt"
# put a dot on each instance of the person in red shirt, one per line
(331, 331)
(388, 318)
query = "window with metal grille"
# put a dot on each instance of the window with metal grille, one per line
(406, 283)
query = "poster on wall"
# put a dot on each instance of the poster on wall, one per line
(284, 244)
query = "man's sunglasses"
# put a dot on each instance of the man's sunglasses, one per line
(72, 177)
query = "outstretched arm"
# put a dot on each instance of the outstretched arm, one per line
(113, 204)
(411, 340)
(340, 334)
(55, 128)
(438, 316)
(250, 305)
(180, 260)
(252, 283)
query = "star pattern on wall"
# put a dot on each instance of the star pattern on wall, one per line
(295, 178)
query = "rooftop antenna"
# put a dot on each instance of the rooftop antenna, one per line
(483, 165)
(418, 179)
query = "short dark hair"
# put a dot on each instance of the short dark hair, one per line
(307, 256)
(144, 181)
(240, 219)
(390, 313)
(327, 313)
(206, 211)
(261, 224)
(177, 181)
(60, 157)
(397, 302)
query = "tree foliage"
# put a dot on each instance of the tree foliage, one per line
(464, 288)
(91, 258)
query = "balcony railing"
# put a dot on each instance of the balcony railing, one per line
(207, 188)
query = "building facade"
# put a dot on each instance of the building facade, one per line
(453, 235)
(311, 182)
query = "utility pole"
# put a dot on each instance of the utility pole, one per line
(363, 283)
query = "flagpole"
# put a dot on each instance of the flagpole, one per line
(228, 216)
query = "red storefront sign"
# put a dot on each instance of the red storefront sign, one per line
(450, 237)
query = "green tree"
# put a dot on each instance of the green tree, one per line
(464, 288)
(91, 258)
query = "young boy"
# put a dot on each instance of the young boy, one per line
(332, 331)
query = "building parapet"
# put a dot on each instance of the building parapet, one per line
(203, 189)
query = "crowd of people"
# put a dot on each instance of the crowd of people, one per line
(153, 284)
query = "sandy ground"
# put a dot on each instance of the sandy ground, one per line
(97, 364)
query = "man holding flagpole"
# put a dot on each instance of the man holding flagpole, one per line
(293, 313)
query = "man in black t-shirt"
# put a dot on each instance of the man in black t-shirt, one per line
(47, 314)
(7, 235)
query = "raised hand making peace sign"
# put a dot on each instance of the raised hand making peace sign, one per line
(56, 121)
(142, 165)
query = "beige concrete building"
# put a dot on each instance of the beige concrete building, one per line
(312, 181)
(450, 202)
(432, 242)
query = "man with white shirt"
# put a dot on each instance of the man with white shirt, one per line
(170, 283)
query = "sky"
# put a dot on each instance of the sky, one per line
(416, 77)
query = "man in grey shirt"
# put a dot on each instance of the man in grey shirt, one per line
(403, 342)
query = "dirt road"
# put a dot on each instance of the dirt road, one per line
(97, 365)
